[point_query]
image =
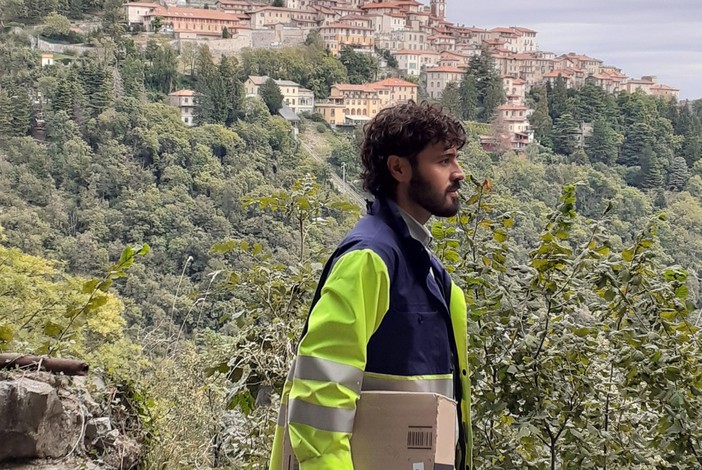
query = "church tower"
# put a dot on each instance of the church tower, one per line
(438, 8)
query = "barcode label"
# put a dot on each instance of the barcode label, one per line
(419, 437)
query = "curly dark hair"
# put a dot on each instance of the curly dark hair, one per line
(403, 130)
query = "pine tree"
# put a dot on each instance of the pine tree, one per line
(638, 137)
(233, 89)
(540, 120)
(603, 144)
(450, 99)
(6, 130)
(558, 101)
(62, 99)
(565, 134)
(678, 174)
(225, 33)
(468, 98)
(97, 82)
(590, 103)
(651, 173)
(488, 85)
(21, 114)
(494, 97)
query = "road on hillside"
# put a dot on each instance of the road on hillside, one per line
(341, 185)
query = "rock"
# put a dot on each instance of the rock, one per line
(97, 428)
(34, 422)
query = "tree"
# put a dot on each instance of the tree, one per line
(638, 136)
(540, 120)
(6, 128)
(315, 40)
(278, 3)
(558, 101)
(603, 144)
(468, 98)
(678, 174)
(56, 26)
(157, 24)
(565, 134)
(360, 68)
(651, 172)
(225, 33)
(10, 11)
(20, 106)
(271, 95)
(489, 93)
(450, 100)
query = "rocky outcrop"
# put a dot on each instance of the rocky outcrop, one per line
(45, 416)
(34, 422)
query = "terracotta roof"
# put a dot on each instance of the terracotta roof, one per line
(375, 6)
(523, 30)
(393, 82)
(184, 93)
(198, 13)
(663, 88)
(351, 87)
(266, 8)
(234, 2)
(345, 26)
(141, 4)
(445, 69)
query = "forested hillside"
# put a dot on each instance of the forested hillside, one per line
(585, 345)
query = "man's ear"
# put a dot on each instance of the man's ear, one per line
(399, 168)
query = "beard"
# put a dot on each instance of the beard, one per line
(436, 201)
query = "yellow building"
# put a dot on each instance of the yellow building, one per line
(338, 35)
(355, 104)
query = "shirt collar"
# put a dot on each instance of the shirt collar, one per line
(416, 230)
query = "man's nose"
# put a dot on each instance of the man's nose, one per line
(458, 174)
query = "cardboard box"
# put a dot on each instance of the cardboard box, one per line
(399, 431)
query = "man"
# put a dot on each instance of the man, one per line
(386, 315)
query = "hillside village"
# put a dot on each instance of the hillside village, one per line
(430, 51)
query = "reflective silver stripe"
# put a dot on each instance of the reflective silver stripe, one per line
(324, 370)
(321, 417)
(291, 372)
(283, 415)
(440, 386)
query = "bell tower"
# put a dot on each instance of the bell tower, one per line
(438, 8)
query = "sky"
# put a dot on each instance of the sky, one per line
(641, 37)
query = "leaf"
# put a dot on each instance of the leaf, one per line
(628, 254)
(508, 222)
(6, 333)
(500, 236)
(52, 329)
(90, 286)
(682, 292)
